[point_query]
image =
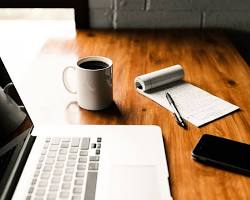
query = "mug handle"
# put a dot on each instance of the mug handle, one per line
(6, 91)
(7, 87)
(65, 80)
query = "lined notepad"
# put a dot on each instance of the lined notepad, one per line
(194, 104)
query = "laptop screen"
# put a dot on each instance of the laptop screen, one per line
(15, 125)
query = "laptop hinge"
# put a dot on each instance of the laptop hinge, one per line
(18, 167)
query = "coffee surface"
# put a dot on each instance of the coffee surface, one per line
(93, 65)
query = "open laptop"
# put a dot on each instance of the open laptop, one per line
(91, 162)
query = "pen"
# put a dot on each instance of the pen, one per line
(177, 115)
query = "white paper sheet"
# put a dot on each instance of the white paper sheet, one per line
(194, 104)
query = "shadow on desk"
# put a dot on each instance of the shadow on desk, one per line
(111, 111)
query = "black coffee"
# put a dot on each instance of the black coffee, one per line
(93, 65)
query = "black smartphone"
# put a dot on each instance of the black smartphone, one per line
(223, 153)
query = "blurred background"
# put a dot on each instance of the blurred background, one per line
(231, 16)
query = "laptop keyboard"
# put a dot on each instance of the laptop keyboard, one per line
(67, 169)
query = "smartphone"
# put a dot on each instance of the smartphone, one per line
(223, 153)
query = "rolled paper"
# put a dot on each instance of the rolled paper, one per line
(159, 78)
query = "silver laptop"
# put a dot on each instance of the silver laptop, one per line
(91, 162)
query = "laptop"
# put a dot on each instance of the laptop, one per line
(87, 162)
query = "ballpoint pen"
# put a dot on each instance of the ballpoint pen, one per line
(176, 113)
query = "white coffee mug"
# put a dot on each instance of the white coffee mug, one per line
(94, 87)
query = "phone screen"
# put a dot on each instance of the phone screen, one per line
(223, 151)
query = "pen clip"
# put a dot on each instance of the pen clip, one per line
(170, 100)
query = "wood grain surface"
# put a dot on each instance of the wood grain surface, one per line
(210, 62)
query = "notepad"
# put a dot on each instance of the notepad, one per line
(194, 104)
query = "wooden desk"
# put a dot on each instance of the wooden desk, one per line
(210, 62)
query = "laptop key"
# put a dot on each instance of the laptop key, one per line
(77, 190)
(97, 152)
(79, 174)
(47, 168)
(43, 184)
(53, 148)
(43, 152)
(93, 166)
(58, 172)
(72, 157)
(90, 186)
(71, 163)
(46, 145)
(49, 161)
(40, 192)
(51, 154)
(59, 165)
(66, 186)
(94, 158)
(36, 174)
(82, 160)
(53, 188)
(64, 194)
(67, 178)
(56, 179)
(45, 175)
(65, 145)
(41, 159)
(39, 166)
(79, 182)
(31, 189)
(34, 181)
(69, 170)
(73, 150)
(81, 167)
(63, 151)
(55, 141)
(75, 142)
(83, 153)
(85, 143)
(61, 158)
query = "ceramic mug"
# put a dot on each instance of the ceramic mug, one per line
(94, 87)
(12, 115)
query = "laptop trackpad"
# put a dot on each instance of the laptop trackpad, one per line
(133, 182)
